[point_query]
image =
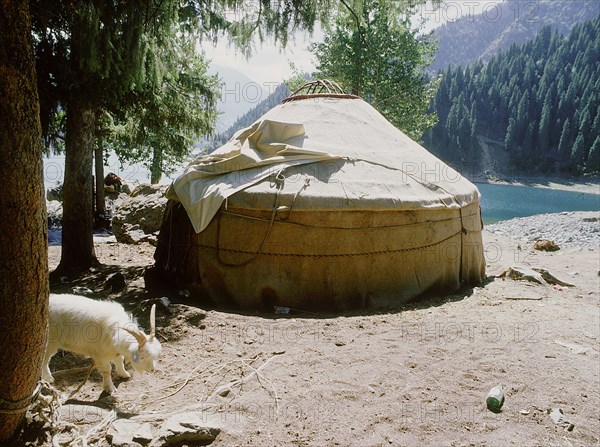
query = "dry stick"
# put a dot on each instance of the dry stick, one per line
(221, 388)
(242, 380)
(82, 383)
(187, 380)
(68, 372)
(93, 433)
(216, 391)
(58, 427)
(260, 378)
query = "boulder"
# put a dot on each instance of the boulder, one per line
(128, 433)
(545, 245)
(139, 216)
(189, 428)
(522, 273)
(55, 214)
(115, 282)
(55, 192)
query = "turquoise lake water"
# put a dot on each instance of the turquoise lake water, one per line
(502, 202)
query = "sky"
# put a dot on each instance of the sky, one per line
(270, 64)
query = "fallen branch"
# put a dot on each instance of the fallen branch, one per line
(260, 378)
(243, 379)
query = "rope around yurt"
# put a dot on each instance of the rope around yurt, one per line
(279, 180)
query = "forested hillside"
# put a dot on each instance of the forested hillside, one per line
(536, 106)
(280, 93)
(471, 37)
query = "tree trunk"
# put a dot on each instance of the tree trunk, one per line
(156, 166)
(99, 169)
(78, 220)
(78, 216)
(23, 244)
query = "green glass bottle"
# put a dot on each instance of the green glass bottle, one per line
(495, 398)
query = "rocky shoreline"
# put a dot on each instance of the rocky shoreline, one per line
(588, 185)
(579, 228)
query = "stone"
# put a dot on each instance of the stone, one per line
(115, 282)
(559, 418)
(79, 290)
(138, 217)
(144, 434)
(55, 213)
(225, 392)
(522, 273)
(573, 347)
(545, 245)
(54, 192)
(122, 432)
(192, 427)
(83, 414)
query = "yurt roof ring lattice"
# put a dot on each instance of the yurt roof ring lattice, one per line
(322, 88)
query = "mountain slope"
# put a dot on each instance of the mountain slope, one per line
(482, 36)
(251, 115)
(535, 106)
(238, 94)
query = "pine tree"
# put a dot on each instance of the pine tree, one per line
(577, 160)
(373, 51)
(536, 97)
(91, 54)
(162, 122)
(474, 154)
(23, 244)
(544, 127)
(585, 127)
(510, 142)
(593, 162)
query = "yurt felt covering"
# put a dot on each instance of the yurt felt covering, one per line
(323, 204)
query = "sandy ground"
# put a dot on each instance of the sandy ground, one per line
(590, 185)
(416, 375)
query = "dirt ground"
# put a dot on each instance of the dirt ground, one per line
(416, 375)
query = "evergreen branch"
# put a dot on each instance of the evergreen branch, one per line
(358, 25)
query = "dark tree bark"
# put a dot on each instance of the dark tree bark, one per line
(156, 166)
(77, 253)
(99, 170)
(78, 221)
(78, 216)
(23, 226)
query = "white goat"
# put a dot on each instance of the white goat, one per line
(103, 331)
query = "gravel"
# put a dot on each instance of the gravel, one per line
(580, 228)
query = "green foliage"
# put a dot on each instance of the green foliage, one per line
(109, 53)
(540, 99)
(159, 124)
(93, 55)
(577, 154)
(593, 162)
(372, 51)
(297, 79)
(480, 36)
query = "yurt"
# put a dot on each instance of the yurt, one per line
(321, 204)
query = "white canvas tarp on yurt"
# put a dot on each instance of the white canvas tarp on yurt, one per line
(322, 203)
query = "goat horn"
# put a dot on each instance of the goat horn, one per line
(138, 335)
(152, 322)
